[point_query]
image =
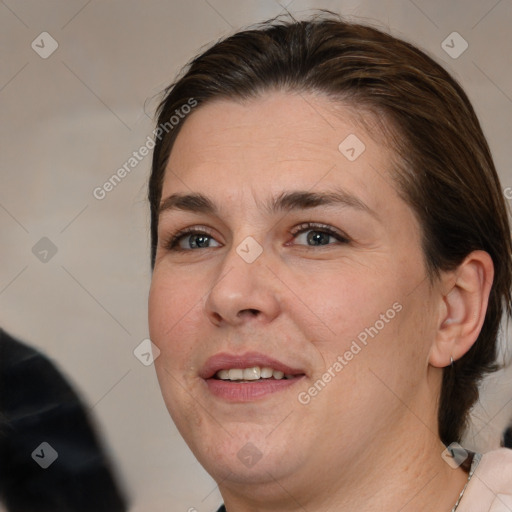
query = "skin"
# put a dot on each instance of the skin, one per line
(368, 440)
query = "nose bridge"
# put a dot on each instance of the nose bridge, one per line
(244, 285)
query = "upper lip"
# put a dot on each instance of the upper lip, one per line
(226, 361)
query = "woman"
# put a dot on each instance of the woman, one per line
(331, 258)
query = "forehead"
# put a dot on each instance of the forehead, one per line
(277, 141)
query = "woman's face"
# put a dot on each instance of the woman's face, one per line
(284, 247)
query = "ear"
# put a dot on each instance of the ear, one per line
(463, 304)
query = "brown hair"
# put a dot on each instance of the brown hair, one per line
(444, 171)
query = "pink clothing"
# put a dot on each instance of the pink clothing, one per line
(490, 487)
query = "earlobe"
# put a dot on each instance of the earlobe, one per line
(462, 308)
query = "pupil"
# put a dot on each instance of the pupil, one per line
(318, 238)
(199, 241)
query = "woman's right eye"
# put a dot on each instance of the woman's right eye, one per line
(190, 240)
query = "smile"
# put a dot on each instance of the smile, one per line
(247, 377)
(251, 374)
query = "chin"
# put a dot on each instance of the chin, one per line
(251, 456)
(267, 470)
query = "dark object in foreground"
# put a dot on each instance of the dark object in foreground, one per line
(51, 459)
(507, 437)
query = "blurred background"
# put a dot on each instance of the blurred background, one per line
(79, 82)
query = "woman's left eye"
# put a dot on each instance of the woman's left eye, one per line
(317, 235)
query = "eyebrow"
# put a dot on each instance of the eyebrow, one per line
(284, 202)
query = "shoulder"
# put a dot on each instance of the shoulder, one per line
(496, 468)
(490, 488)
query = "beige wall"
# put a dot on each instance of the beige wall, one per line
(69, 121)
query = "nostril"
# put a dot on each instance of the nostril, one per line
(507, 437)
(249, 312)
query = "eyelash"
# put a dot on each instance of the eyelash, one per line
(323, 228)
(172, 243)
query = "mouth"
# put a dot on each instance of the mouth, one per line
(247, 377)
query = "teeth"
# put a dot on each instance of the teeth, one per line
(223, 374)
(236, 374)
(253, 373)
(266, 373)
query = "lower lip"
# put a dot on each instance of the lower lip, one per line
(248, 391)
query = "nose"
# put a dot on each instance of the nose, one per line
(243, 292)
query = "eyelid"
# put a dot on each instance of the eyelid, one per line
(171, 242)
(317, 226)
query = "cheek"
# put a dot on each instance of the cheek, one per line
(174, 303)
(173, 308)
(351, 300)
(373, 320)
